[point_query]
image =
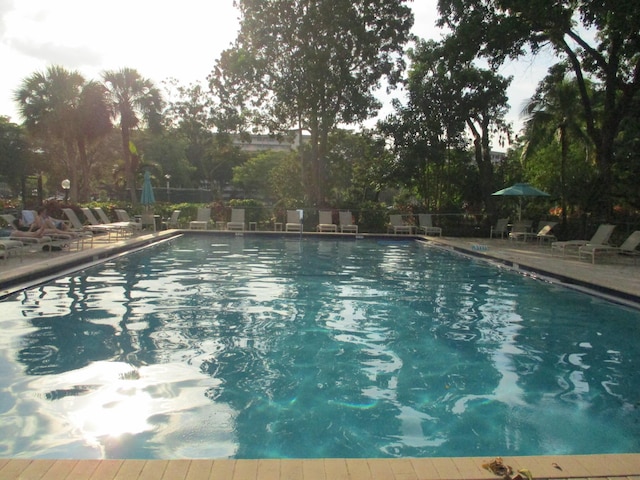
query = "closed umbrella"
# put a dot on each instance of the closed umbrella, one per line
(520, 190)
(147, 198)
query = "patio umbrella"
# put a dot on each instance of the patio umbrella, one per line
(520, 190)
(147, 198)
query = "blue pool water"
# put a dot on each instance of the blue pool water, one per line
(209, 347)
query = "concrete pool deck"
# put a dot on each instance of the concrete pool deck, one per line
(616, 276)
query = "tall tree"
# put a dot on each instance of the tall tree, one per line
(598, 39)
(311, 64)
(447, 93)
(554, 114)
(16, 158)
(134, 101)
(60, 106)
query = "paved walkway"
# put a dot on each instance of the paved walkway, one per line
(615, 275)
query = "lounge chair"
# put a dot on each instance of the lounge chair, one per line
(17, 235)
(83, 233)
(346, 222)
(9, 246)
(202, 219)
(325, 222)
(519, 229)
(628, 247)
(76, 225)
(102, 216)
(426, 225)
(125, 220)
(237, 220)
(120, 229)
(601, 237)
(397, 225)
(172, 222)
(294, 221)
(51, 240)
(500, 228)
(543, 235)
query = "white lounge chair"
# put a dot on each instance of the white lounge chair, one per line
(601, 237)
(346, 222)
(426, 225)
(397, 225)
(294, 222)
(325, 222)
(544, 234)
(120, 229)
(628, 247)
(9, 246)
(202, 219)
(102, 216)
(172, 222)
(500, 228)
(237, 220)
(519, 229)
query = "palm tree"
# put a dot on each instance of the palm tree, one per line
(47, 102)
(134, 100)
(59, 106)
(554, 113)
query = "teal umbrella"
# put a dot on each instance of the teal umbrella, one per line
(520, 190)
(147, 198)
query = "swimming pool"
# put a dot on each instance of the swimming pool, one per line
(244, 347)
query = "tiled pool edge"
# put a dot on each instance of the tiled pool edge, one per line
(625, 466)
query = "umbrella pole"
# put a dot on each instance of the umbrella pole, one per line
(520, 209)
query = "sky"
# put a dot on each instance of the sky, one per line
(161, 40)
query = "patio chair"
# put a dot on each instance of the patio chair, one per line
(500, 228)
(325, 222)
(346, 222)
(426, 225)
(237, 220)
(294, 221)
(628, 247)
(601, 237)
(202, 219)
(519, 229)
(148, 221)
(172, 222)
(397, 225)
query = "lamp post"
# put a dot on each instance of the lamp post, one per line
(66, 185)
(168, 177)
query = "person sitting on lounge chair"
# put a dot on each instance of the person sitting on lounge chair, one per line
(44, 221)
(20, 231)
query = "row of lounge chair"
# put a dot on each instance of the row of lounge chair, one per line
(20, 241)
(76, 234)
(597, 245)
(325, 222)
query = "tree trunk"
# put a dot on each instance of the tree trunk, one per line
(128, 167)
